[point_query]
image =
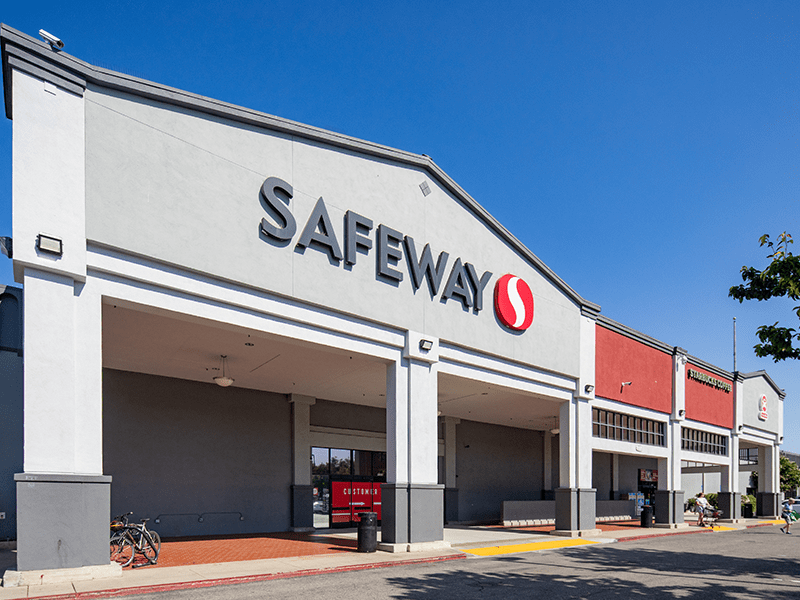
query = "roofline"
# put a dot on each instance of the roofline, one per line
(22, 52)
(652, 342)
(769, 379)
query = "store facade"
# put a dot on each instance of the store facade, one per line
(377, 339)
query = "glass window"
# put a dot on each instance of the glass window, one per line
(340, 461)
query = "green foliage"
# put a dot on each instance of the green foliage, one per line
(780, 278)
(790, 475)
(712, 500)
(749, 499)
(691, 502)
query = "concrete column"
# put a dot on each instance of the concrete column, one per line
(547, 462)
(769, 496)
(413, 500)
(576, 498)
(302, 490)
(450, 480)
(668, 501)
(63, 499)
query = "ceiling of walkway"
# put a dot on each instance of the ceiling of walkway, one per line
(156, 342)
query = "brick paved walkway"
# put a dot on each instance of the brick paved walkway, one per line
(179, 552)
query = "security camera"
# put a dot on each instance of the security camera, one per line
(55, 43)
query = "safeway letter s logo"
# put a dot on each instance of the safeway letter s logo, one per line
(513, 302)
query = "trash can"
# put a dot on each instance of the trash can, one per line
(647, 515)
(368, 532)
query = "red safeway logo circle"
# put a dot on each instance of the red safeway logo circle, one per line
(513, 302)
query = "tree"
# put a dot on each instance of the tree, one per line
(780, 278)
(790, 475)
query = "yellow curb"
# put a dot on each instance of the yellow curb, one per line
(532, 547)
(777, 522)
(721, 528)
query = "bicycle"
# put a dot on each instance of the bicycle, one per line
(128, 539)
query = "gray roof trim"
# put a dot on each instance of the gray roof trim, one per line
(765, 375)
(10, 37)
(709, 367)
(633, 334)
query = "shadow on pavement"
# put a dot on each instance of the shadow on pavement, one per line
(611, 572)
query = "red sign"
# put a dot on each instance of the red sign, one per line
(762, 408)
(648, 475)
(513, 302)
(349, 499)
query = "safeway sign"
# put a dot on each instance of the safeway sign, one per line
(449, 280)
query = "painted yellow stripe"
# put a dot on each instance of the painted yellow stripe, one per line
(776, 522)
(721, 528)
(532, 547)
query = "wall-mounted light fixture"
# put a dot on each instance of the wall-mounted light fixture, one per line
(425, 345)
(588, 388)
(681, 412)
(223, 380)
(48, 244)
(624, 383)
(6, 246)
(555, 430)
(741, 427)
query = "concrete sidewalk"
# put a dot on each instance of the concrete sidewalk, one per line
(461, 539)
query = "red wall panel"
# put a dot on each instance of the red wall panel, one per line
(708, 404)
(619, 358)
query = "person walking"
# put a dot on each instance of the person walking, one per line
(701, 504)
(787, 514)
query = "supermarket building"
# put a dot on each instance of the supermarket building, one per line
(387, 344)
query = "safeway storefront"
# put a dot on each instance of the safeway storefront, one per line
(236, 323)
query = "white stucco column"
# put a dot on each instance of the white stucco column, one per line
(575, 497)
(575, 443)
(771, 455)
(412, 500)
(63, 376)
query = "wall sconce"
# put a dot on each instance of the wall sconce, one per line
(741, 427)
(588, 388)
(681, 412)
(425, 345)
(48, 244)
(555, 430)
(223, 380)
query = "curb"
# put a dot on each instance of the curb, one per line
(189, 585)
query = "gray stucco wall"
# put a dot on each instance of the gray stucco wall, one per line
(164, 170)
(601, 475)
(325, 413)
(10, 439)
(494, 464)
(753, 388)
(629, 471)
(11, 406)
(176, 447)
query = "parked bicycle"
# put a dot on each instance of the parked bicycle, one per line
(128, 539)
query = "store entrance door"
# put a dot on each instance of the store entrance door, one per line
(346, 483)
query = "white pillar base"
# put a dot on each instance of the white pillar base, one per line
(24, 578)
(415, 547)
(575, 533)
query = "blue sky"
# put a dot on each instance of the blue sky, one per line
(639, 149)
